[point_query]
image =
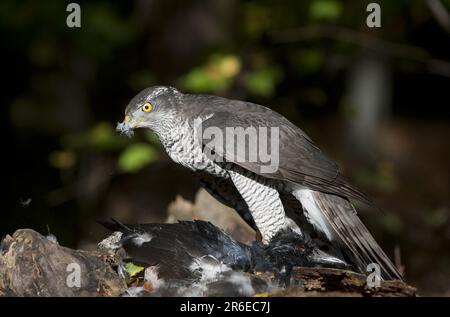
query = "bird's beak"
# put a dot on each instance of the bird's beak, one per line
(126, 126)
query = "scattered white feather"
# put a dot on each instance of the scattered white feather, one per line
(151, 275)
(243, 283)
(52, 238)
(142, 238)
(194, 290)
(133, 292)
(125, 128)
(25, 203)
(209, 267)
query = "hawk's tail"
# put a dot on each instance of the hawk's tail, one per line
(343, 226)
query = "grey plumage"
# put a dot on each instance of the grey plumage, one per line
(307, 189)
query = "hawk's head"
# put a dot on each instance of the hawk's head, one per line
(151, 108)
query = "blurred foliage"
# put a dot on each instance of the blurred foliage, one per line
(263, 81)
(101, 136)
(62, 159)
(127, 46)
(383, 178)
(325, 10)
(65, 89)
(136, 156)
(307, 60)
(219, 74)
(142, 79)
(215, 76)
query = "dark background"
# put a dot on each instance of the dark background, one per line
(376, 100)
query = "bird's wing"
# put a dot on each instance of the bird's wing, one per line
(299, 160)
(175, 247)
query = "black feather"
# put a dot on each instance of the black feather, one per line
(175, 247)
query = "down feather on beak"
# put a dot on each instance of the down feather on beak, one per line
(125, 127)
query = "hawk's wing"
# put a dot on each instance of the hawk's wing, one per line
(359, 244)
(299, 160)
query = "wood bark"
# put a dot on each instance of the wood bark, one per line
(33, 265)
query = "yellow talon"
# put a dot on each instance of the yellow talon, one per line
(127, 118)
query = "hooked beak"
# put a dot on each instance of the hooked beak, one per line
(126, 126)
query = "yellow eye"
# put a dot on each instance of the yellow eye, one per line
(147, 107)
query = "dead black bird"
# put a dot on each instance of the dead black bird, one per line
(197, 252)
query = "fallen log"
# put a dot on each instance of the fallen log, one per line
(34, 265)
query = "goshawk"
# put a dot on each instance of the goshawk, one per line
(299, 188)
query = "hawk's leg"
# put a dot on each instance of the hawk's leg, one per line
(263, 202)
(224, 191)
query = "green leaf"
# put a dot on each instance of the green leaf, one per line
(215, 76)
(262, 82)
(133, 269)
(197, 80)
(325, 10)
(132, 272)
(135, 157)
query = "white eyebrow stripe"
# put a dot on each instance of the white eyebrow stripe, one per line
(158, 91)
